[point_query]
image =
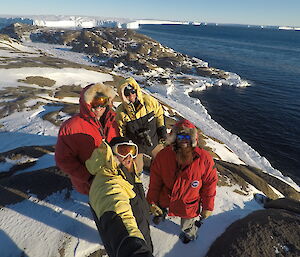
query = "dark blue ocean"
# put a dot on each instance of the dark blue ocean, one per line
(266, 115)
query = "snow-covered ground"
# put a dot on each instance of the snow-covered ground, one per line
(41, 228)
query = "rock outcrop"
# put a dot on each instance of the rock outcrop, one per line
(272, 232)
(118, 48)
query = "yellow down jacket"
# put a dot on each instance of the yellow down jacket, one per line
(119, 218)
(132, 117)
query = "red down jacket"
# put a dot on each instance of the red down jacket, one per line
(183, 191)
(77, 139)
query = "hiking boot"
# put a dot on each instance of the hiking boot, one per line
(184, 238)
(157, 219)
(198, 223)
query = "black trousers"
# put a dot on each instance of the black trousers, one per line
(116, 239)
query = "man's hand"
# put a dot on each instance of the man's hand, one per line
(155, 210)
(205, 214)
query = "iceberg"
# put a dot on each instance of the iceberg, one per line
(288, 28)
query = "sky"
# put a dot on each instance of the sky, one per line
(260, 12)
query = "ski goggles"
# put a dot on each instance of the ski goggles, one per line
(101, 101)
(129, 90)
(125, 149)
(183, 137)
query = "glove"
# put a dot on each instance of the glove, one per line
(155, 210)
(162, 133)
(205, 214)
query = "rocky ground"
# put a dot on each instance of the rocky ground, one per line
(254, 235)
(122, 50)
(271, 232)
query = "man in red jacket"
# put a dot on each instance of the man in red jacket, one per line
(81, 134)
(183, 180)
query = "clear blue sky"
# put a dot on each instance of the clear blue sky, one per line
(262, 12)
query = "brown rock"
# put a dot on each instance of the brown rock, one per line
(246, 174)
(263, 233)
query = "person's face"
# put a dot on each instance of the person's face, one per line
(130, 93)
(98, 111)
(131, 97)
(127, 162)
(99, 104)
(183, 141)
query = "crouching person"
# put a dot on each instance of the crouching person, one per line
(117, 200)
(183, 180)
(140, 117)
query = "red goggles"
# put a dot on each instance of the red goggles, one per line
(125, 149)
(101, 101)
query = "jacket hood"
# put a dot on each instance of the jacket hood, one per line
(89, 92)
(135, 85)
(183, 126)
(102, 160)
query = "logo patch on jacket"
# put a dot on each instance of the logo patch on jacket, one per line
(195, 184)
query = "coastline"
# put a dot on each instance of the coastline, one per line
(175, 92)
(200, 117)
(264, 114)
(41, 89)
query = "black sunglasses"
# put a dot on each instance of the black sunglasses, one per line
(128, 91)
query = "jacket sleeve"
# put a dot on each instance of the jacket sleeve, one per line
(121, 122)
(159, 113)
(116, 223)
(111, 128)
(156, 182)
(67, 159)
(209, 184)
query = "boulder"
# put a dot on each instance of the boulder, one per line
(263, 233)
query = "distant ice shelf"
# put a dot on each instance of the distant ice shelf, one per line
(63, 21)
(86, 22)
(288, 28)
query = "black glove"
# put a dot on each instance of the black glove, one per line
(162, 133)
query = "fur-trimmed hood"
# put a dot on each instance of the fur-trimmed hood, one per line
(123, 84)
(183, 126)
(93, 89)
(89, 92)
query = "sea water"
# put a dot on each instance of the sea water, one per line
(266, 114)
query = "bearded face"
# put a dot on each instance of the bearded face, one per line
(184, 149)
(183, 141)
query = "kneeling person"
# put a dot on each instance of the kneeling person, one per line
(118, 201)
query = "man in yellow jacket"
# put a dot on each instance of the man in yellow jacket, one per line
(117, 200)
(140, 117)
